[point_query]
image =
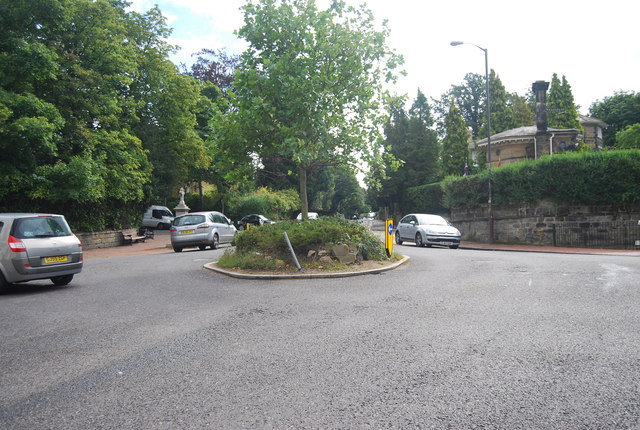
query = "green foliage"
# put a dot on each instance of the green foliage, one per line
(90, 107)
(424, 198)
(308, 235)
(629, 137)
(455, 153)
(562, 111)
(578, 178)
(272, 204)
(618, 111)
(309, 84)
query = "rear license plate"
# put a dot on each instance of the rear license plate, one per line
(187, 231)
(56, 259)
(446, 243)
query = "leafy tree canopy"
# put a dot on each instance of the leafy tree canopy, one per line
(618, 111)
(310, 84)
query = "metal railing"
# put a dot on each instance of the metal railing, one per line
(611, 234)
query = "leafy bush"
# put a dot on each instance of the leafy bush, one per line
(272, 204)
(268, 240)
(424, 198)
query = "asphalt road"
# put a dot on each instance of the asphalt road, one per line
(454, 339)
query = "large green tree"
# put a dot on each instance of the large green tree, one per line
(310, 83)
(90, 108)
(619, 111)
(455, 149)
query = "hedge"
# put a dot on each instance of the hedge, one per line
(607, 177)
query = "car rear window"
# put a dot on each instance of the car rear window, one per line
(189, 220)
(40, 226)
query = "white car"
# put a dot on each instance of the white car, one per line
(427, 230)
(201, 229)
(310, 215)
(159, 217)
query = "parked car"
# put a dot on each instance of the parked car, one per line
(37, 246)
(201, 229)
(159, 217)
(310, 215)
(427, 230)
(253, 219)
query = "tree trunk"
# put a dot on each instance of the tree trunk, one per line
(303, 193)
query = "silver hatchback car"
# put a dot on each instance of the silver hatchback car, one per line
(37, 246)
(427, 230)
(201, 229)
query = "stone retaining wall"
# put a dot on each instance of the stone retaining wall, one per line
(100, 239)
(533, 224)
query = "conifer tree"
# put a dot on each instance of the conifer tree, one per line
(455, 154)
(562, 111)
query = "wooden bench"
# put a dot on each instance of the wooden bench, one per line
(131, 236)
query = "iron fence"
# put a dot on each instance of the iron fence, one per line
(613, 234)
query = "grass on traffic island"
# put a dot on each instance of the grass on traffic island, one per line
(264, 249)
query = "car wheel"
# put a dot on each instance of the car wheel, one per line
(216, 241)
(398, 240)
(160, 226)
(419, 242)
(177, 249)
(202, 247)
(4, 285)
(453, 246)
(61, 280)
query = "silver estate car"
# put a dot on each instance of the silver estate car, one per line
(201, 229)
(427, 230)
(37, 246)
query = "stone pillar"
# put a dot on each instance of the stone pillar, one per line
(542, 135)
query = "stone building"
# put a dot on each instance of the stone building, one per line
(531, 142)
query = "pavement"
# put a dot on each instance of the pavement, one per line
(162, 243)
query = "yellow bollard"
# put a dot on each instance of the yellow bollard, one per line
(388, 237)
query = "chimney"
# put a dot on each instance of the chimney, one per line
(540, 90)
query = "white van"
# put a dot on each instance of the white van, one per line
(159, 217)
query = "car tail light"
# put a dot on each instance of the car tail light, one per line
(173, 229)
(203, 226)
(16, 245)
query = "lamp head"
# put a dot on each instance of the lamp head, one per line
(456, 43)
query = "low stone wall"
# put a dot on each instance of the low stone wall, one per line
(100, 239)
(533, 224)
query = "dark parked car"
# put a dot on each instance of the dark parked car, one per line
(37, 246)
(253, 219)
(427, 230)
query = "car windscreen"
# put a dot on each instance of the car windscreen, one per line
(40, 226)
(431, 220)
(189, 220)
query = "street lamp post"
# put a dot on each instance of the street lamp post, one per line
(486, 77)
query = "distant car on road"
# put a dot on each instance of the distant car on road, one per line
(37, 246)
(201, 229)
(427, 230)
(159, 217)
(310, 215)
(253, 219)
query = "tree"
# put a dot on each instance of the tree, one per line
(562, 111)
(455, 152)
(618, 111)
(470, 97)
(216, 67)
(310, 83)
(629, 137)
(502, 116)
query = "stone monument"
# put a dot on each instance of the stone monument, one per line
(182, 208)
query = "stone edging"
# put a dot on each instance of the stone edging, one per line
(213, 267)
